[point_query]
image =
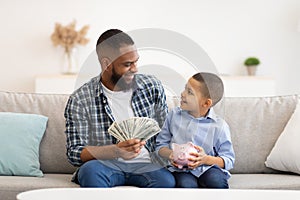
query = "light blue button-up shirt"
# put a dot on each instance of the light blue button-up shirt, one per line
(211, 132)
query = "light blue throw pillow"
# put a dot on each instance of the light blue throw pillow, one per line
(20, 137)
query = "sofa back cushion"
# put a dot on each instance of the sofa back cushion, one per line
(255, 124)
(52, 148)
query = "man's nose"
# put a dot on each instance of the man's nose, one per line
(133, 67)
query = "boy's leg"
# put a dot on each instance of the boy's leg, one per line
(96, 174)
(185, 180)
(213, 178)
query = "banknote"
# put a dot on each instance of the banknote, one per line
(141, 128)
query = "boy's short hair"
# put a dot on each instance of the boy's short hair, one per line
(211, 86)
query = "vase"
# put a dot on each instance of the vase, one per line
(70, 61)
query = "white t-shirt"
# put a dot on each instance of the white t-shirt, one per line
(120, 104)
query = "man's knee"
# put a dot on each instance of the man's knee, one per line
(91, 174)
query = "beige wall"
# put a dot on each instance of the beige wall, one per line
(229, 31)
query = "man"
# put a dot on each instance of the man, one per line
(118, 93)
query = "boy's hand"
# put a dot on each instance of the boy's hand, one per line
(171, 159)
(129, 149)
(198, 158)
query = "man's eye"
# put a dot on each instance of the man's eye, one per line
(127, 64)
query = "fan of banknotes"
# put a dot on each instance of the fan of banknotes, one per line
(141, 128)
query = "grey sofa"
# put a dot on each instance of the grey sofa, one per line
(256, 123)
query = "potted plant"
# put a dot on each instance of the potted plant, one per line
(251, 64)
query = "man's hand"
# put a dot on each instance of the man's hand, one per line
(129, 149)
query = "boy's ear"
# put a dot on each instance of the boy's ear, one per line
(208, 103)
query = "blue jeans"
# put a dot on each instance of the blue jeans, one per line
(212, 178)
(97, 173)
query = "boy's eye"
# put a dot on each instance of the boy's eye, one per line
(188, 90)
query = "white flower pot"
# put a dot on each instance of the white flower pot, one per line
(251, 70)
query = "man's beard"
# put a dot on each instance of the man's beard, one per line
(119, 81)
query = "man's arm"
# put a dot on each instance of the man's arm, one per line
(161, 107)
(78, 132)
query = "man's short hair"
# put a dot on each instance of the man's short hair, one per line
(110, 42)
(211, 86)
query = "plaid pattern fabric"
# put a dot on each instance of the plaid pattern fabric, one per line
(88, 115)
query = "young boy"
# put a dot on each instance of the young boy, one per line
(195, 121)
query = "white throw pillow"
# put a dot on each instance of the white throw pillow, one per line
(285, 154)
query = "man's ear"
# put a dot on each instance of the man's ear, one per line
(105, 63)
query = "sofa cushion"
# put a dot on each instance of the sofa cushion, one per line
(255, 123)
(265, 181)
(286, 150)
(53, 157)
(10, 186)
(21, 135)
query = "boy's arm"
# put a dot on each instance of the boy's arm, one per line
(224, 148)
(224, 154)
(165, 152)
(212, 160)
(163, 139)
(201, 158)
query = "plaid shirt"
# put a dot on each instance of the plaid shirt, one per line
(88, 115)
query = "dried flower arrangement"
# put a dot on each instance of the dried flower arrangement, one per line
(68, 37)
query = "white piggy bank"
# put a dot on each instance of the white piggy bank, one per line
(181, 153)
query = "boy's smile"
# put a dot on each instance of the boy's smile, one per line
(192, 99)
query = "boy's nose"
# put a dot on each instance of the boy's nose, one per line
(182, 94)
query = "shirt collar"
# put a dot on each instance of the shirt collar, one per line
(210, 115)
(137, 84)
(99, 89)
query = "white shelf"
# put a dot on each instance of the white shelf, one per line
(248, 86)
(55, 84)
